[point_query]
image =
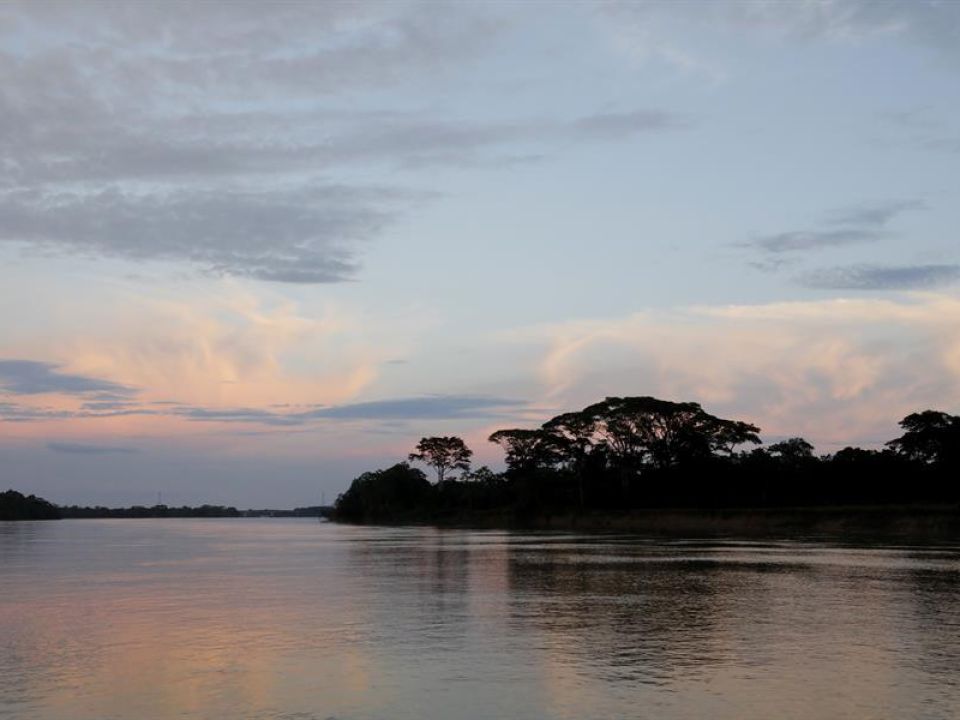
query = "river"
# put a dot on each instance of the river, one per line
(301, 620)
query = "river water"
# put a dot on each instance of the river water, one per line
(295, 619)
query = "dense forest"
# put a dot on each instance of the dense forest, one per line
(15, 506)
(642, 452)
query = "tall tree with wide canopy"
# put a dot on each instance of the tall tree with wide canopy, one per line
(574, 432)
(931, 437)
(443, 454)
(647, 430)
(528, 450)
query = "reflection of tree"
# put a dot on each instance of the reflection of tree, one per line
(936, 618)
(638, 614)
(418, 582)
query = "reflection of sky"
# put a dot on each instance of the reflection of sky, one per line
(292, 246)
(267, 619)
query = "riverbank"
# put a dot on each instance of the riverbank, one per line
(927, 522)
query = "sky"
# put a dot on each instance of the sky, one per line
(249, 251)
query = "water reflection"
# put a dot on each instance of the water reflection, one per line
(271, 619)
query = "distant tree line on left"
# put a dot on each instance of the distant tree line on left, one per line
(185, 511)
(16, 506)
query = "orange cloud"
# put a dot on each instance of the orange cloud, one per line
(835, 370)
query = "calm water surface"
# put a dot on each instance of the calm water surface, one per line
(141, 619)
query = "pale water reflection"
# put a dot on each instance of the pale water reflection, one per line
(147, 619)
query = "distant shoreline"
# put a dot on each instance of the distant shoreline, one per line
(15, 506)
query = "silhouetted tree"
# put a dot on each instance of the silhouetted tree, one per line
(15, 506)
(443, 454)
(383, 494)
(687, 458)
(482, 475)
(528, 450)
(931, 437)
(792, 450)
(663, 433)
(574, 432)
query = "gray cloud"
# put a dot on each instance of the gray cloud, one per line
(99, 159)
(847, 226)
(103, 399)
(87, 449)
(238, 415)
(613, 126)
(303, 235)
(436, 407)
(812, 240)
(876, 215)
(97, 406)
(930, 24)
(178, 132)
(15, 412)
(30, 377)
(926, 129)
(877, 277)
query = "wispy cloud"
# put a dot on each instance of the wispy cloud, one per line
(31, 377)
(853, 225)
(798, 241)
(843, 227)
(842, 370)
(873, 215)
(304, 235)
(224, 163)
(648, 30)
(434, 407)
(609, 126)
(879, 277)
(430, 407)
(88, 449)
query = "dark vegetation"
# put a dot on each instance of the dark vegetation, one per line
(14, 506)
(201, 511)
(642, 453)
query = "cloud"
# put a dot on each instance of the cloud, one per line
(20, 413)
(181, 133)
(875, 215)
(612, 126)
(87, 449)
(305, 235)
(878, 277)
(436, 407)
(858, 224)
(836, 371)
(648, 29)
(843, 227)
(238, 415)
(221, 357)
(31, 377)
(797, 241)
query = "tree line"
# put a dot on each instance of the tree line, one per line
(16, 506)
(643, 452)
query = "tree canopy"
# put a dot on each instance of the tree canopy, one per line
(931, 437)
(443, 454)
(643, 452)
